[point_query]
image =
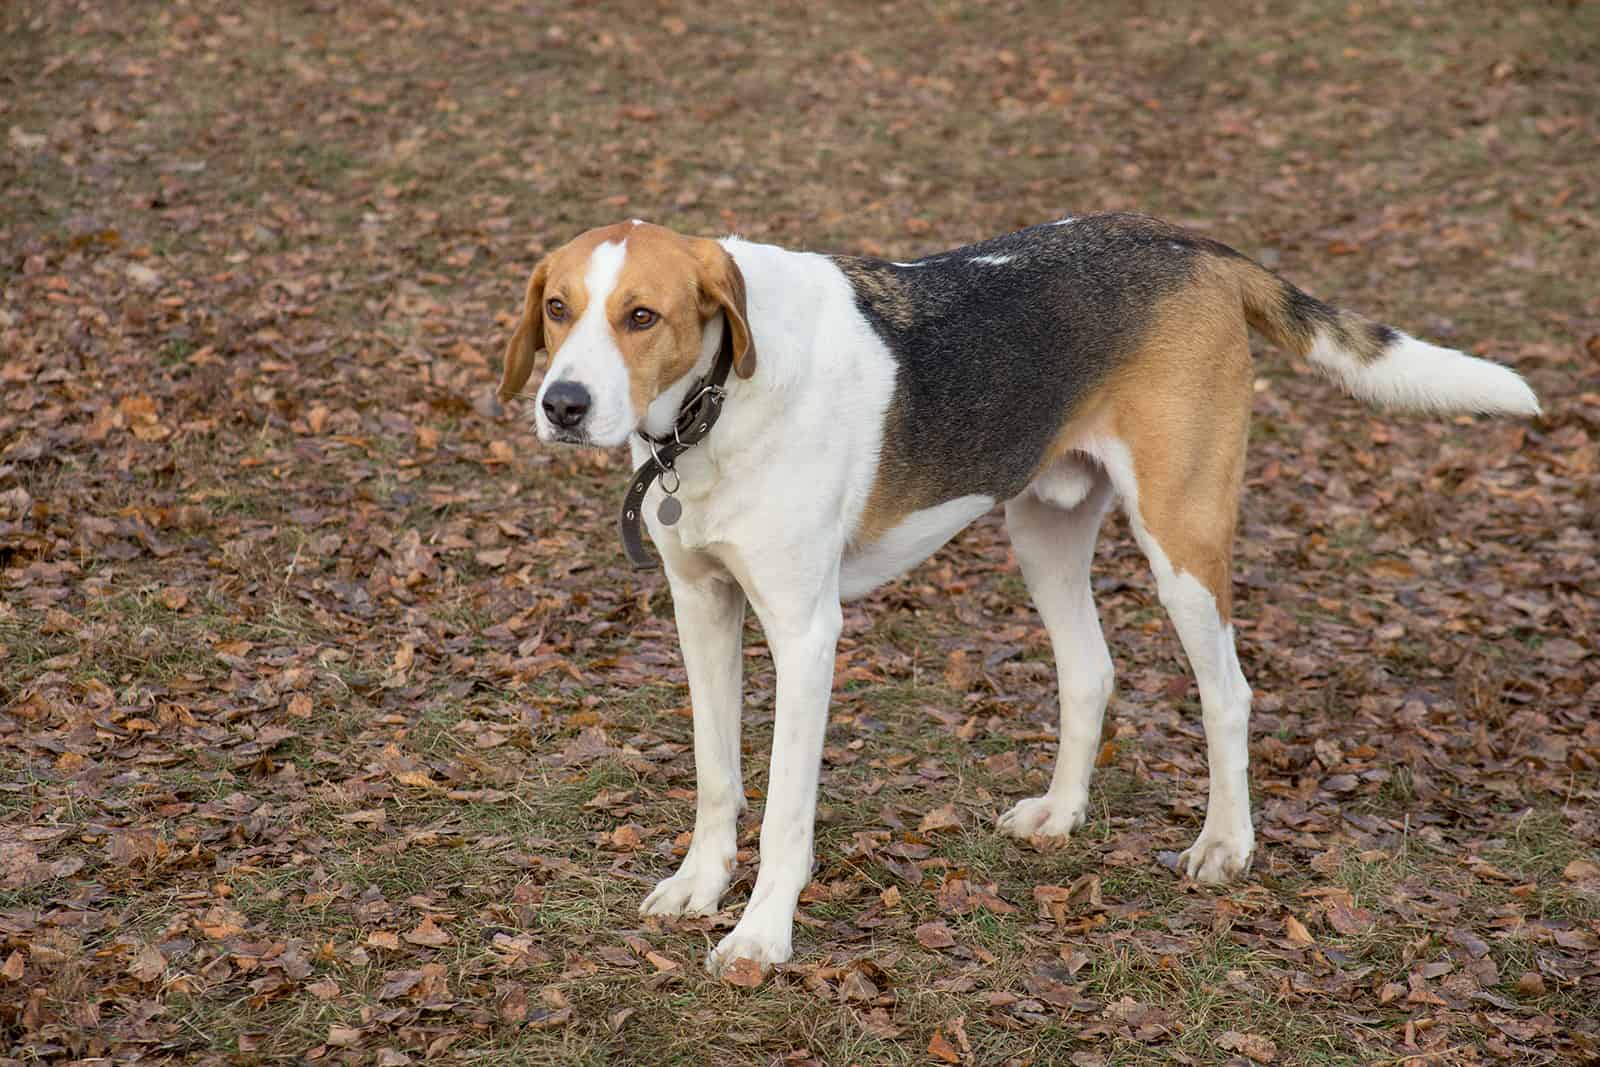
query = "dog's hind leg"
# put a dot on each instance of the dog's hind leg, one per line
(710, 617)
(1054, 546)
(1175, 453)
(1191, 562)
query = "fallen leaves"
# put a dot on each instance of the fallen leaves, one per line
(934, 935)
(148, 964)
(949, 1043)
(1581, 870)
(428, 933)
(1349, 920)
(744, 973)
(1258, 1048)
(943, 818)
(554, 1011)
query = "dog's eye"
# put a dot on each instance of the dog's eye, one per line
(642, 318)
(555, 309)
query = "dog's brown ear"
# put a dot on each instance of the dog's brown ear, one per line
(529, 338)
(722, 284)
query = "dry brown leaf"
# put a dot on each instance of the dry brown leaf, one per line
(1581, 871)
(1349, 920)
(325, 989)
(935, 935)
(746, 974)
(428, 933)
(857, 987)
(1257, 1047)
(148, 964)
(343, 1036)
(940, 1048)
(941, 818)
(383, 939)
(959, 671)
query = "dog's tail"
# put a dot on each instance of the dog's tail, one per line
(1375, 363)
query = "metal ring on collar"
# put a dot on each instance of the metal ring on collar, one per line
(665, 465)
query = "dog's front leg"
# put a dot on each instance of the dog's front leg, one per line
(710, 615)
(803, 638)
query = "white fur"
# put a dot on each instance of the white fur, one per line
(1066, 482)
(912, 540)
(591, 358)
(1414, 375)
(993, 261)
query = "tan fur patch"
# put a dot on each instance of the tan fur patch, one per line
(1181, 405)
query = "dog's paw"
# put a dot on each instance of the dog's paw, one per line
(1043, 821)
(1218, 856)
(694, 890)
(763, 944)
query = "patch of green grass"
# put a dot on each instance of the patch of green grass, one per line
(1538, 847)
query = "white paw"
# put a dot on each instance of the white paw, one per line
(764, 942)
(1043, 820)
(1219, 856)
(695, 890)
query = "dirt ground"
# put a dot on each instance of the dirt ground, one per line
(336, 728)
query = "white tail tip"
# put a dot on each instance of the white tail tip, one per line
(1417, 376)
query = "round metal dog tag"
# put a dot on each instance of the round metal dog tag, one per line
(670, 511)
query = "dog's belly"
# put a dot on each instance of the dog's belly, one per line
(909, 542)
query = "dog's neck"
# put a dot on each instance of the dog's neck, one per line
(694, 413)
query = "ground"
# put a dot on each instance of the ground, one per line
(336, 727)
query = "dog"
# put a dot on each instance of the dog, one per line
(873, 410)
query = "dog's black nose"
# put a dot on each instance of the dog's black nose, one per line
(565, 404)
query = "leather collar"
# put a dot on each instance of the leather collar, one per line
(695, 418)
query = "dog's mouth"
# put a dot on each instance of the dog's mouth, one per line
(578, 436)
(554, 436)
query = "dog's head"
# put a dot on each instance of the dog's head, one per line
(623, 311)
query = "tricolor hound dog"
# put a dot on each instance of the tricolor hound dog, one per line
(891, 404)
